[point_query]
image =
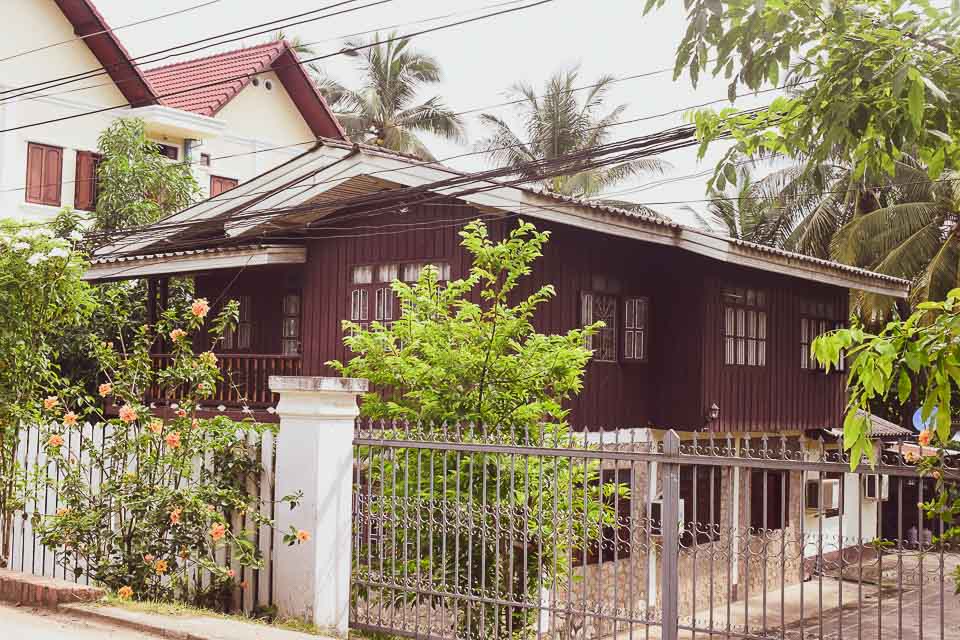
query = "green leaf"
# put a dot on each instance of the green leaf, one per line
(915, 102)
(903, 387)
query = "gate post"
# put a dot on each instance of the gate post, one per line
(669, 565)
(315, 455)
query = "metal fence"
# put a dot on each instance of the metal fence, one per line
(29, 555)
(466, 532)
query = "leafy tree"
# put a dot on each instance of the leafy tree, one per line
(137, 185)
(385, 111)
(912, 362)
(464, 362)
(42, 297)
(869, 79)
(556, 123)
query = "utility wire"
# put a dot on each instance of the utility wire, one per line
(300, 62)
(111, 30)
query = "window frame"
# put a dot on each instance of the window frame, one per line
(222, 180)
(747, 306)
(240, 338)
(44, 185)
(94, 180)
(637, 328)
(821, 318)
(588, 302)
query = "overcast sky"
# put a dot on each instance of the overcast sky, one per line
(482, 59)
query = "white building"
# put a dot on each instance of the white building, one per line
(207, 111)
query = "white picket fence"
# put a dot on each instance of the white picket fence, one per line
(30, 556)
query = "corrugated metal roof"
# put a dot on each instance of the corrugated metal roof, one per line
(179, 254)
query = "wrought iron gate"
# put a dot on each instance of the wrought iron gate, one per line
(467, 532)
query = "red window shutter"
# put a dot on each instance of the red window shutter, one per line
(218, 185)
(52, 176)
(85, 194)
(44, 174)
(34, 173)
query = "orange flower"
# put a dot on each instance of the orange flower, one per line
(50, 403)
(70, 420)
(176, 334)
(62, 511)
(925, 437)
(201, 386)
(936, 475)
(125, 593)
(231, 573)
(195, 424)
(149, 558)
(156, 426)
(160, 566)
(181, 413)
(55, 440)
(173, 439)
(105, 389)
(303, 536)
(218, 530)
(128, 414)
(208, 358)
(175, 515)
(200, 308)
(910, 457)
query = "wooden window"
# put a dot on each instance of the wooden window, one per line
(700, 492)
(769, 500)
(241, 337)
(635, 322)
(596, 307)
(44, 174)
(817, 318)
(413, 270)
(290, 335)
(168, 151)
(744, 326)
(220, 185)
(85, 184)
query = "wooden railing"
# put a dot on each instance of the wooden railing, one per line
(246, 378)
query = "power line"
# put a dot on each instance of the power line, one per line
(100, 71)
(257, 73)
(113, 30)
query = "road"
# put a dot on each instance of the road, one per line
(41, 624)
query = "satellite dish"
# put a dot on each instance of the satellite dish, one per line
(919, 424)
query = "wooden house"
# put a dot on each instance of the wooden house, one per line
(702, 331)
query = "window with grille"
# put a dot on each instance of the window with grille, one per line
(596, 307)
(744, 326)
(240, 338)
(413, 270)
(635, 322)
(816, 319)
(371, 297)
(291, 345)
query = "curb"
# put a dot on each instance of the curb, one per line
(34, 591)
(99, 614)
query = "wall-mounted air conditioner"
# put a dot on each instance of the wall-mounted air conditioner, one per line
(823, 495)
(876, 487)
(656, 517)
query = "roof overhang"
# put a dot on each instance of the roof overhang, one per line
(304, 182)
(104, 44)
(194, 261)
(167, 121)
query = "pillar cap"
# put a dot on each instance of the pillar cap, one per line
(279, 384)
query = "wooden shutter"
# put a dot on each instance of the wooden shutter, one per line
(218, 185)
(85, 192)
(44, 174)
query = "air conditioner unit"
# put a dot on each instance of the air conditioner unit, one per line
(828, 490)
(656, 517)
(876, 487)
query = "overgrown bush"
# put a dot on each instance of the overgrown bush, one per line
(146, 505)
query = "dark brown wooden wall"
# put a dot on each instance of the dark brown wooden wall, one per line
(685, 373)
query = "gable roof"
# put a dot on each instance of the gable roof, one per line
(333, 174)
(89, 24)
(205, 85)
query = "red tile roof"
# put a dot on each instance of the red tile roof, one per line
(204, 73)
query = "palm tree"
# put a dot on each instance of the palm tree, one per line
(555, 124)
(385, 111)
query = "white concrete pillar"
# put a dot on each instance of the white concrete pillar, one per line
(315, 456)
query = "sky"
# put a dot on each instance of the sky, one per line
(481, 60)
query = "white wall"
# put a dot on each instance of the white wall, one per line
(858, 522)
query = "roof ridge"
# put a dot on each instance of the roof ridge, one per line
(265, 45)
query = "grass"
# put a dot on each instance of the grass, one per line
(180, 609)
